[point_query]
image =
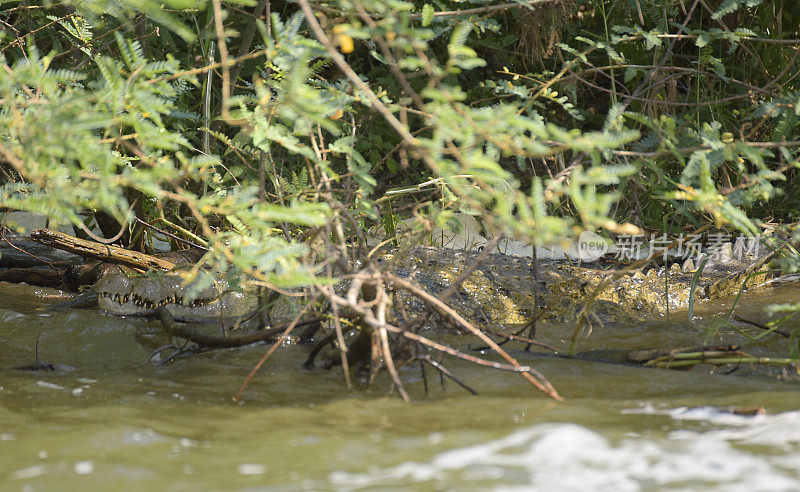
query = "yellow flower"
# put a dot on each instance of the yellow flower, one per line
(344, 41)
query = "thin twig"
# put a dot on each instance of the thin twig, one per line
(444, 371)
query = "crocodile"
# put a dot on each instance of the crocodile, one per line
(126, 295)
(501, 291)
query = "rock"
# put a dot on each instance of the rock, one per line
(19, 251)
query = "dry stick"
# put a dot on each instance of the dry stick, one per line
(422, 372)
(487, 250)
(337, 324)
(249, 33)
(352, 75)
(401, 77)
(511, 336)
(652, 73)
(117, 236)
(169, 234)
(443, 370)
(489, 8)
(726, 29)
(387, 353)
(345, 266)
(454, 13)
(535, 268)
(438, 346)
(696, 104)
(103, 252)
(387, 357)
(543, 385)
(12, 159)
(387, 53)
(223, 57)
(686, 150)
(336, 204)
(402, 131)
(422, 340)
(18, 40)
(207, 100)
(396, 148)
(694, 71)
(213, 66)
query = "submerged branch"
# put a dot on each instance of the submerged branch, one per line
(221, 341)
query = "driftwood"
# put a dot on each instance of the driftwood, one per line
(98, 251)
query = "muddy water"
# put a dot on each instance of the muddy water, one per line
(106, 420)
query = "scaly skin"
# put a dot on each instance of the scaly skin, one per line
(137, 295)
(499, 292)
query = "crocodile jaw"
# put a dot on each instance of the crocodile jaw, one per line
(123, 296)
(227, 305)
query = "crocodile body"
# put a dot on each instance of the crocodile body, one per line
(500, 292)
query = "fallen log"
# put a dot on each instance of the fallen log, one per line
(99, 251)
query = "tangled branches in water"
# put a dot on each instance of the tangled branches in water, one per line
(360, 302)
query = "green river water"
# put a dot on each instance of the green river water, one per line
(105, 420)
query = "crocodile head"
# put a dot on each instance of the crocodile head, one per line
(137, 295)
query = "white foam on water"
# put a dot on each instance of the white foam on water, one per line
(735, 453)
(252, 469)
(778, 431)
(84, 467)
(29, 472)
(45, 384)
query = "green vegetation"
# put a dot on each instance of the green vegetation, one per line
(276, 137)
